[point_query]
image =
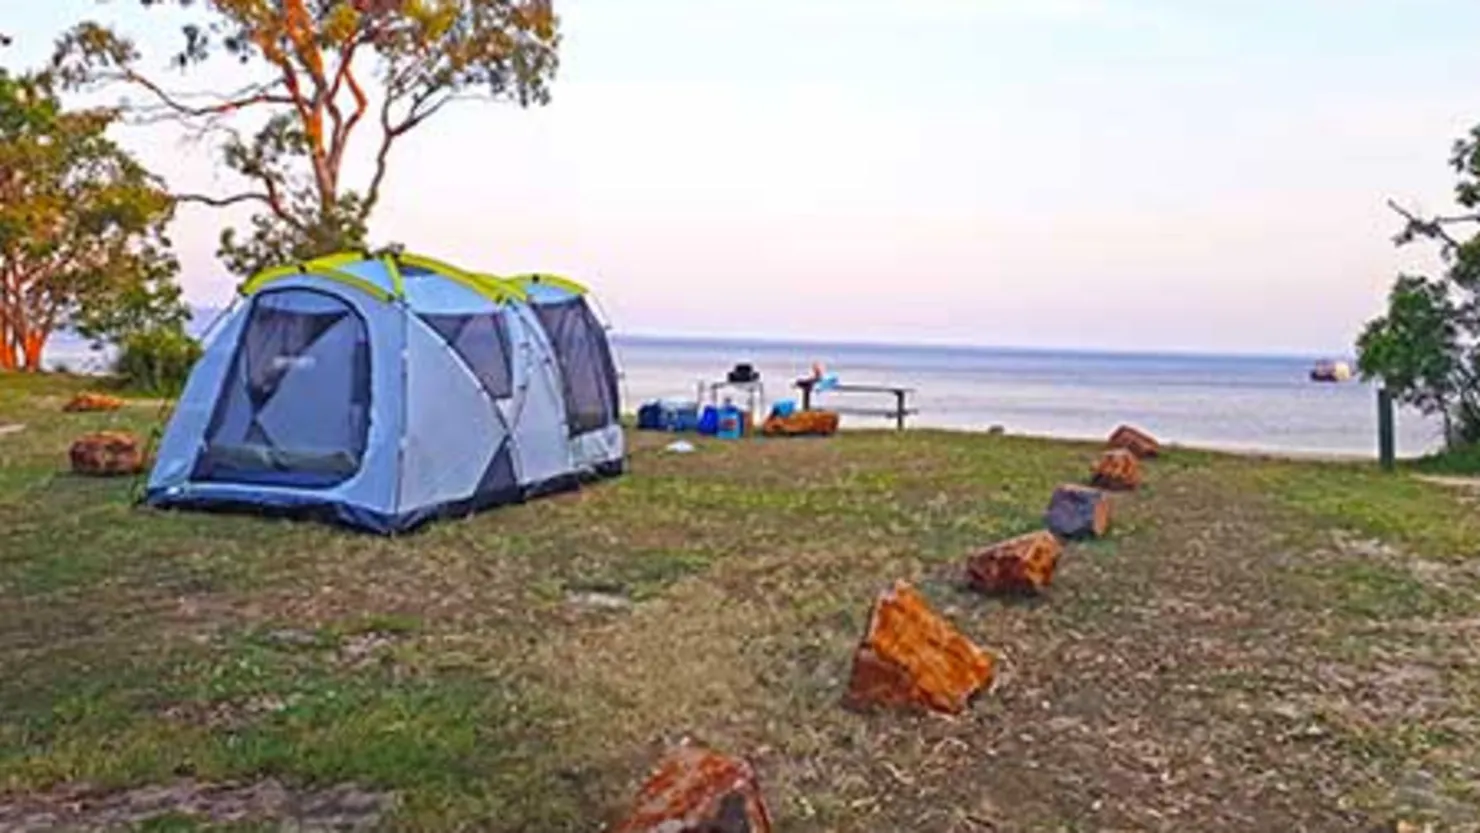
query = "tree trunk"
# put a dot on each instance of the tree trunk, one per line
(7, 350)
(10, 339)
(31, 348)
(7, 330)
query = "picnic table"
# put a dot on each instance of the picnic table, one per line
(898, 412)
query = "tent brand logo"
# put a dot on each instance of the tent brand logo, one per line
(293, 362)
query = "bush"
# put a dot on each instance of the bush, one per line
(157, 361)
(1458, 459)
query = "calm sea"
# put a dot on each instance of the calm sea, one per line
(1224, 402)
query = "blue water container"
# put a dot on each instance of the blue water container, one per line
(731, 423)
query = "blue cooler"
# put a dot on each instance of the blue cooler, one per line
(709, 421)
(685, 417)
(668, 415)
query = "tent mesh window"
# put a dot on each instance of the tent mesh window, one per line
(585, 361)
(482, 342)
(295, 408)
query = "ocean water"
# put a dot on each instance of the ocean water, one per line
(1221, 402)
(1224, 402)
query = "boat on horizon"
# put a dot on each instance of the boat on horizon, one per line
(1331, 371)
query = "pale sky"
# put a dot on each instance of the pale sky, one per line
(1204, 175)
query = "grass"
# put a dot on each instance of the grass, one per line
(1260, 645)
(1462, 461)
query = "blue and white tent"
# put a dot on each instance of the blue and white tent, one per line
(385, 391)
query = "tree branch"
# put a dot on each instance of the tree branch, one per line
(382, 156)
(175, 108)
(1429, 228)
(418, 111)
(270, 196)
(345, 76)
(223, 202)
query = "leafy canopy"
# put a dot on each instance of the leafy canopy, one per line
(319, 74)
(1426, 348)
(82, 226)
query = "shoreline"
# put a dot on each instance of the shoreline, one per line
(1212, 447)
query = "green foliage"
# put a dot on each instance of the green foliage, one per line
(82, 240)
(1426, 348)
(1461, 460)
(157, 360)
(312, 62)
(1414, 349)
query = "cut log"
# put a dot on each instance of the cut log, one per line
(1022, 565)
(802, 423)
(92, 402)
(697, 790)
(1117, 471)
(912, 658)
(106, 454)
(1077, 512)
(1135, 441)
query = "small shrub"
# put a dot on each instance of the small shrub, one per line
(1459, 459)
(157, 361)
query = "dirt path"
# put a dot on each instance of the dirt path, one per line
(1452, 482)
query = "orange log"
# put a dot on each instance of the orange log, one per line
(1135, 441)
(911, 657)
(696, 789)
(1021, 565)
(1118, 471)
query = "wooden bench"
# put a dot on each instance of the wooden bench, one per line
(898, 413)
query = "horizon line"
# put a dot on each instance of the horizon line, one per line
(788, 341)
(928, 344)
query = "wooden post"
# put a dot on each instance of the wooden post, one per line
(899, 414)
(1386, 451)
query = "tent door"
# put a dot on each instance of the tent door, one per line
(295, 407)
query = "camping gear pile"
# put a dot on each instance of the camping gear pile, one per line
(384, 391)
(727, 421)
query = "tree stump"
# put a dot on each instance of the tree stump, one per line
(912, 658)
(1077, 512)
(106, 454)
(1117, 471)
(697, 790)
(1022, 565)
(92, 402)
(1135, 441)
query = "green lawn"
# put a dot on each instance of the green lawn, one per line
(1259, 646)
